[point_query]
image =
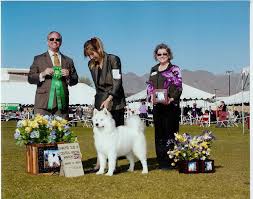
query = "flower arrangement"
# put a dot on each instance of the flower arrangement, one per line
(43, 129)
(187, 147)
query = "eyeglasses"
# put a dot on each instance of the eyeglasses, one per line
(55, 39)
(160, 54)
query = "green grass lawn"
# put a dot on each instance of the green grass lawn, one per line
(231, 179)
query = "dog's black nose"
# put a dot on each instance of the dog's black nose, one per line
(96, 124)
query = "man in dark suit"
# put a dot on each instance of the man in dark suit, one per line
(52, 72)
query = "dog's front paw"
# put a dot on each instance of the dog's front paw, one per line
(99, 173)
(130, 170)
(109, 173)
(144, 171)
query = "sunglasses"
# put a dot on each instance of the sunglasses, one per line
(55, 39)
(164, 54)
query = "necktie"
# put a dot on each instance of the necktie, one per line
(56, 60)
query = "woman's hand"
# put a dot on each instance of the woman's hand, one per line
(170, 100)
(105, 104)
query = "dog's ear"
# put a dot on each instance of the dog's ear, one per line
(105, 111)
(95, 111)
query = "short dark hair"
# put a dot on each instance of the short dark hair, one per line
(163, 46)
(54, 32)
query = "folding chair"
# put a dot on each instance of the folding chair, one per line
(204, 120)
(233, 121)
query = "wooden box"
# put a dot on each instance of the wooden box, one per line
(196, 166)
(42, 158)
(206, 166)
(186, 166)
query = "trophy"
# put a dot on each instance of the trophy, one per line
(160, 96)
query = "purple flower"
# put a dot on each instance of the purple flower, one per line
(67, 133)
(150, 87)
(173, 77)
(17, 134)
(66, 128)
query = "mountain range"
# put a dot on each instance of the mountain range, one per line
(212, 83)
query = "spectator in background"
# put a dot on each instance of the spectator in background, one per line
(186, 110)
(79, 113)
(222, 113)
(195, 111)
(150, 111)
(144, 112)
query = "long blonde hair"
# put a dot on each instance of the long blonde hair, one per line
(91, 46)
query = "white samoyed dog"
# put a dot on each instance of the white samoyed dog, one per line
(112, 142)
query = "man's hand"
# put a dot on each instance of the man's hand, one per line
(47, 71)
(65, 72)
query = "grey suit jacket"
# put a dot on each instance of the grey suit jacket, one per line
(106, 84)
(40, 63)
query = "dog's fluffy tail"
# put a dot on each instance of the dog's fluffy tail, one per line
(135, 122)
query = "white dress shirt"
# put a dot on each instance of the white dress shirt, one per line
(51, 54)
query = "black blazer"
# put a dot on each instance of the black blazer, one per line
(40, 63)
(108, 81)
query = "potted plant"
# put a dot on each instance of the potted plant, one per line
(191, 153)
(41, 135)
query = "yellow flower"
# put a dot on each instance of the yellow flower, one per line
(180, 138)
(54, 123)
(172, 164)
(204, 144)
(28, 129)
(25, 123)
(64, 122)
(44, 122)
(34, 125)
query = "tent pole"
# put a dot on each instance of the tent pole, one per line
(242, 107)
(181, 102)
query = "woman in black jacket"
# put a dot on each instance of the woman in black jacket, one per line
(106, 74)
(166, 112)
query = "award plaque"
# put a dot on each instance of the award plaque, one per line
(160, 96)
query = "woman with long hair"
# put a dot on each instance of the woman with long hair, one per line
(107, 76)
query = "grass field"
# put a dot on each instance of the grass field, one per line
(231, 179)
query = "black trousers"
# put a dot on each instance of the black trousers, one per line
(166, 121)
(118, 116)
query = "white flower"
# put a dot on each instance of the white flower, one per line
(58, 118)
(203, 158)
(19, 123)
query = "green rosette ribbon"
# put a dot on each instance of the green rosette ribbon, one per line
(56, 87)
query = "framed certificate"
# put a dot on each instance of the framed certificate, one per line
(160, 96)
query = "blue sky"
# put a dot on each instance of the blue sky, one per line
(212, 36)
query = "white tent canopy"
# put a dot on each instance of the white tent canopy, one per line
(189, 93)
(238, 98)
(24, 93)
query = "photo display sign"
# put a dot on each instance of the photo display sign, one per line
(160, 96)
(71, 159)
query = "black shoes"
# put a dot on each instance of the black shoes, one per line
(166, 167)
